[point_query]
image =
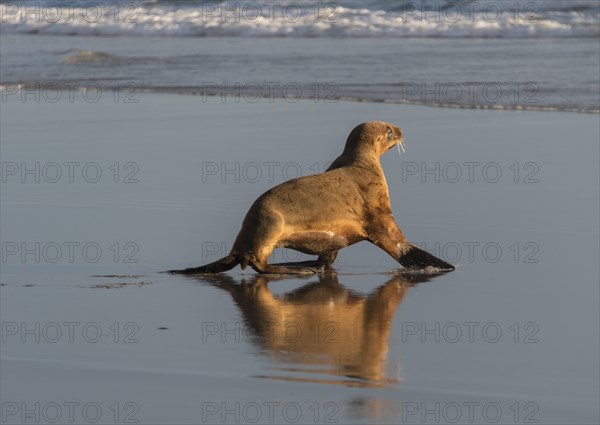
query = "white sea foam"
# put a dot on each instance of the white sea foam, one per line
(491, 19)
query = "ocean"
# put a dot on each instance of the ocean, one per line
(489, 54)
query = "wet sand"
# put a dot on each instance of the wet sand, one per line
(89, 322)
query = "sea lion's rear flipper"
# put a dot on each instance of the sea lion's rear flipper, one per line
(309, 263)
(304, 268)
(222, 265)
(417, 258)
(320, 265)
(322, 262)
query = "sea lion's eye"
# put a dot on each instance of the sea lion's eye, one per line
(390, 134)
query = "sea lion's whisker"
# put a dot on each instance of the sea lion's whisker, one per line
(400, 145)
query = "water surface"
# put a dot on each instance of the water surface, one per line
(512, 332)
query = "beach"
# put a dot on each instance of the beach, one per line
(99, 198)
(135, 136)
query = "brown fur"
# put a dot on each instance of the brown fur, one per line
(324, 213)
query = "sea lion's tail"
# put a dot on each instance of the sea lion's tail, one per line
(222, 265)
(417, 258)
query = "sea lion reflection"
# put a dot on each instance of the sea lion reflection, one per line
(321, 327)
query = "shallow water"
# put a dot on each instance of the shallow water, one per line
(532, 74)
(510, 336)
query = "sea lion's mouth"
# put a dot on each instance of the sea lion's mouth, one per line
(400, 145)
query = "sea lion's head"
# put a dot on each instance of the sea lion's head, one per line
(367, 142)
(376, 137)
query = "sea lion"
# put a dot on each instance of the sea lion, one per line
(323, 213)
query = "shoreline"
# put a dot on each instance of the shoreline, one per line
(436, 73)
(236, 93)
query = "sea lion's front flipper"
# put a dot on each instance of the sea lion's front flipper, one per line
(417, 258)
(388, 236)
